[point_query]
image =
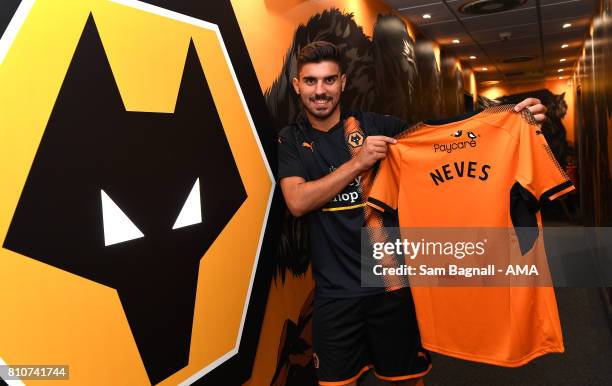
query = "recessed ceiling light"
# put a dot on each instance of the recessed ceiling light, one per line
(472, 57)
(567, 25)
(560, 70)
(565, 46)
(426, 16)
(485, 69)
(456, 41)
(562, 60)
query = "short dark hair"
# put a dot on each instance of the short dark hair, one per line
(319, 51)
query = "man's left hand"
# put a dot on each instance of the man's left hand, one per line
(535, 106)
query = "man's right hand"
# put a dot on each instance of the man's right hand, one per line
(374, 148)
(304, 196)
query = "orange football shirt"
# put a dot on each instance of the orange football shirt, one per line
(460, 174)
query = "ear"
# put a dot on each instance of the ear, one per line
(296, 85)
(343, 80)
(562, 96)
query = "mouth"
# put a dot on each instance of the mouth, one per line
(321, 102)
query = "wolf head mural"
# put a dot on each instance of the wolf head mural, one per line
(129, 199)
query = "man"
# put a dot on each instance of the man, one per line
(324, 159)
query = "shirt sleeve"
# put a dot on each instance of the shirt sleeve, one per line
(385, 189)
(289, 162)
(538, 171)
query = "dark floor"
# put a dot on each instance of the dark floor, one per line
(587, 359)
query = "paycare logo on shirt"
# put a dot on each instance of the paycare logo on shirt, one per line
(460, 145)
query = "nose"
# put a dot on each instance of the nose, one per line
(320, 88)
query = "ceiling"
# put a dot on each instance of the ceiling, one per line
(535, 28)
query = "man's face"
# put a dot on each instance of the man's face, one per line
(319, 86)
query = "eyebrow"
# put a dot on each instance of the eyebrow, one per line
(331, 77)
